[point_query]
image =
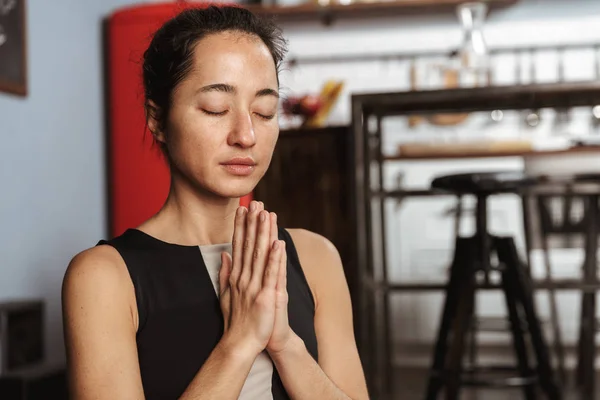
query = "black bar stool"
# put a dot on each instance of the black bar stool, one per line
(586, 355)
(470, 270)
(583, 190)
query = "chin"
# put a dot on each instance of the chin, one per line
(237, 188)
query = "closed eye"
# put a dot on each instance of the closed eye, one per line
(219, 113)
(266, 117)
(216, 113)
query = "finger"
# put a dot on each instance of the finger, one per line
(249, 244)
(282, 273)
(224, 288)
(272, 268)
(261, 250)
(273, 225)
(274, 232)
(239, 235)
(224, 273)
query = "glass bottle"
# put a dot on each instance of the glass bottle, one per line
(473, 55)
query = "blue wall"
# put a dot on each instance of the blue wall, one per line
(52, 197)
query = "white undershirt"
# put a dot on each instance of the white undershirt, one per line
(258, 382)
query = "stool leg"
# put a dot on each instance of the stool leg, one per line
(462, 266)
(516, 327)
(473, 338)
(588, 321)
(556, 333)
(460, 332)
(580, 348)
(586, 359)
(523, 289)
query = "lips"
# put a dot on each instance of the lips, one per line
(247, 161)
(239, 166)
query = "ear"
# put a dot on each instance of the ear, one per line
(152, 118)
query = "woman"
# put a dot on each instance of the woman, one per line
(206, 299)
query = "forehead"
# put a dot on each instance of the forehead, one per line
(228, 56)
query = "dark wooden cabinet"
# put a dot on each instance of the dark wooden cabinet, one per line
(309, 185)
(40, 382)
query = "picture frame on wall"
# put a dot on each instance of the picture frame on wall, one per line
(13, 47)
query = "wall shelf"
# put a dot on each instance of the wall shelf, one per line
(313, 11)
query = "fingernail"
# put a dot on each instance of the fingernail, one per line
(252, 205)
(275, 245)
(263, 217)
(240, 211)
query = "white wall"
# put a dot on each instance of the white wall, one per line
(51, 162)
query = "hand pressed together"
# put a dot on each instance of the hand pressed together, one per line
(252, 284)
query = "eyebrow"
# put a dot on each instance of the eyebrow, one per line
(226, 88)
(267, 92)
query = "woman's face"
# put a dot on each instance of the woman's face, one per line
(222, 127)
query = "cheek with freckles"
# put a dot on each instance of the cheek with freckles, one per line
(196, 138)
(268, 147)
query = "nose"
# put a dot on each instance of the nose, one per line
(242, 131)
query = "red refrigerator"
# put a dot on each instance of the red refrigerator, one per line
(138, 177)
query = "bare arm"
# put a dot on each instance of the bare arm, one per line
(338, 375)
(223, 374)
(302, 377)
(100, 324)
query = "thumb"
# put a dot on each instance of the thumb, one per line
(224, 272)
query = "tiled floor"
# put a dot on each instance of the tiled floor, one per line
(409, 384)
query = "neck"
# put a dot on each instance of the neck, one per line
(193, 217)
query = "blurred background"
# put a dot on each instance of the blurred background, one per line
(380, 98)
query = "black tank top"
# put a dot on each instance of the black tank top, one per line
(180, 319)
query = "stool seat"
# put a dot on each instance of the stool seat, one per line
(592, 177)
(483, 182)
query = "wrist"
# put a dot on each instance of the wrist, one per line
(240, 350)
(293, 347)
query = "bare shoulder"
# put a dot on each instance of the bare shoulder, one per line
(97, 266)
(312, 244)
(320, 262)
(94, 275)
